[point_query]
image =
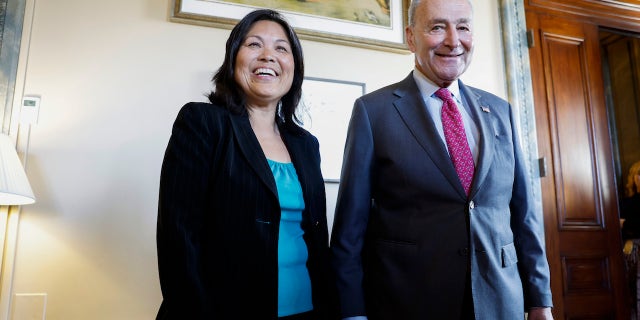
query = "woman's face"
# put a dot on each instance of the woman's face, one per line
(264, 64)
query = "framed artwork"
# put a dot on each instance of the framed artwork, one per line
(325, 111)
(372, 24)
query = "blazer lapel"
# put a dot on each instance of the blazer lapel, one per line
(487, 136)
(250, 148)
(412, 109)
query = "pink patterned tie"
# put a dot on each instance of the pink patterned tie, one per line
(456, 139)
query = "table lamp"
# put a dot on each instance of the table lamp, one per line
(14, 185)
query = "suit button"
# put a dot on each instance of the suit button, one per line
(472, 205)
(463, 252)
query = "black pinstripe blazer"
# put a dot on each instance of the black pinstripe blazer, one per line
(218, 218)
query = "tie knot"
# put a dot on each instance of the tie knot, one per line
(444, 94)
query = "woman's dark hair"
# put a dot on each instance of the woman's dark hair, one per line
(227, 92)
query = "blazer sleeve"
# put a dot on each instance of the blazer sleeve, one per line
(183, 184)
(528, 228)
(352, 213)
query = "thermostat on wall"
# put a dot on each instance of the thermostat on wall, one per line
(30, 109)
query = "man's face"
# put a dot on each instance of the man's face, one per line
(442, 39)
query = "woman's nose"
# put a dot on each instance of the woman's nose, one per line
(267, 55)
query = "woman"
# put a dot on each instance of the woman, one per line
(242, 229)
(630, 204)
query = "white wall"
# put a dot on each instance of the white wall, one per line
(112, 76)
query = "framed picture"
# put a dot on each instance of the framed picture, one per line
(325, 111)
(372, 24)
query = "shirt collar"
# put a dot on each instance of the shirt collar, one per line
(428, 88)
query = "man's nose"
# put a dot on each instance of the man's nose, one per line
(452, 38)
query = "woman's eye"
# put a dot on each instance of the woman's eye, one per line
(253, 44)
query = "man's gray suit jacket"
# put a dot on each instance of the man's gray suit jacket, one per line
(405, 233)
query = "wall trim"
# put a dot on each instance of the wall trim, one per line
(519, 85)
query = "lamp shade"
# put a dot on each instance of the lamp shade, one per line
(14, 185)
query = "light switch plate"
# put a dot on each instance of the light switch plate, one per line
(30, 109)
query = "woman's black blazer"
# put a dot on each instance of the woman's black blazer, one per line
(218, 219)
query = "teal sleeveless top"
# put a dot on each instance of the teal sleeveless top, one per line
(294, 283)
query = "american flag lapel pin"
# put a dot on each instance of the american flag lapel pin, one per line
(485, 109)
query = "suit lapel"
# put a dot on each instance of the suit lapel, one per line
(250, 148)
(412, 110)
(487, 135)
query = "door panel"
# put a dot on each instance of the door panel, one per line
(570, 129)
(579, 203)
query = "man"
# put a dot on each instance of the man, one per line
(435, 218)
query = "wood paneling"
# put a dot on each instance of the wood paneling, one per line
(586, 275)
(571, 127)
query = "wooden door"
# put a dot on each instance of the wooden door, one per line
(578, 192)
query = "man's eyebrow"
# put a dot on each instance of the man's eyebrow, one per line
(441, 20)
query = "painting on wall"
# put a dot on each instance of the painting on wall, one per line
(372, 24)
(325, 111)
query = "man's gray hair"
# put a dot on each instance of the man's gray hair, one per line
(412, 10)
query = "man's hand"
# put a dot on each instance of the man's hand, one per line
(540, 314)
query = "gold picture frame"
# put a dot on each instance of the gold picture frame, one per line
(370, 24)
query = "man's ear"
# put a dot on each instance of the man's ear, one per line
(408, 33)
